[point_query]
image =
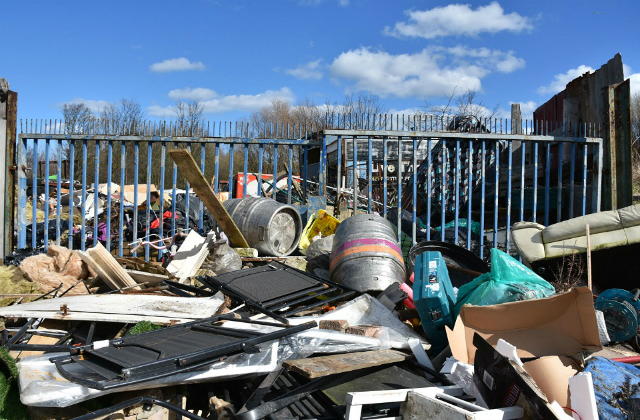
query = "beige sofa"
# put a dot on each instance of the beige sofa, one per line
(609, 231)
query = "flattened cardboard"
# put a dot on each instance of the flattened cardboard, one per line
(561, 325)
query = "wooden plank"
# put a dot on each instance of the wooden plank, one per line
(108, 266)
(317, 367)
(98, 269)
(150, 278)
(117, 308)
(40, 339)
(197, 181)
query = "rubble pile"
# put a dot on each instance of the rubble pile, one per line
(229, 324)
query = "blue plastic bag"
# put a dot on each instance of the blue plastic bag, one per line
(508, 281)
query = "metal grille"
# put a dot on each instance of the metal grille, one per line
(485, 174)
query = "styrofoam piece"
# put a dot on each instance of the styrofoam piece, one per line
(191, 245)
(194, 260)
(447, 367)
(41, 385)
(508, 351)
(462, 375)
(583, 398)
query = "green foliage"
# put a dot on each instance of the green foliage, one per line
(143, 326)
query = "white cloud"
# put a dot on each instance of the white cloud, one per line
(197, 94)
(165, 112)
(560, 80)
(423, 73)
(634, 77)
(458, 19)
(635, 83)
(343, 3)
(221, 104)
(176, 64)
(504, 62)
(309, 71)
(406, 111)
(94, 106)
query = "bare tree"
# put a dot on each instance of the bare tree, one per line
(132, 116)
(465, 105)
(635, 119)
(77, 118)
(189, 116)
(360, 109)
(635, 140)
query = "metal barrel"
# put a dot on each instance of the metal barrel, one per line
(273, 228)
(366, 255)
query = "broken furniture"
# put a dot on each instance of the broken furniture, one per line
(285, 395)
(164, 352)
(614, 235)
(277, 290)
(427, 403)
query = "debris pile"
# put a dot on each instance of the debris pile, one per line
(230, 325)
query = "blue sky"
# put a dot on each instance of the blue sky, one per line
(236, 56)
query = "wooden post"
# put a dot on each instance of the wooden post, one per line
(589, 283)
(8, 119)
(189, 169)
(617, 178)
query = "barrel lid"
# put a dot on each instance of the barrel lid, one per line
(282, 232)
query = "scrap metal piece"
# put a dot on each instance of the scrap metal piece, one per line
(276, 289)
(147, 401)
(164, 352)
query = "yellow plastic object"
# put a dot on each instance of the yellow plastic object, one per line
(322, 224)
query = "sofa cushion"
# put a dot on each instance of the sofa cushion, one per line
(605, 221)
(630, 216)
(579, 244)
(633, 234)
(527, 238)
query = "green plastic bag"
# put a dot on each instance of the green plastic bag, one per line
(508, 281)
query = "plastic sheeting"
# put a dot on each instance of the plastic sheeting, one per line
(41, 385)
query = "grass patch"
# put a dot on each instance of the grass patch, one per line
(12, 281)
(10, 406)
(142, 327)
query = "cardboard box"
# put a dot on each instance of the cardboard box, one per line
(553, 331)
